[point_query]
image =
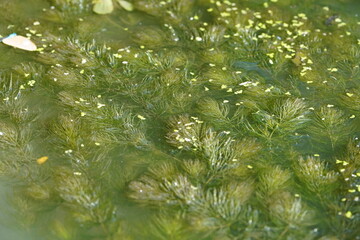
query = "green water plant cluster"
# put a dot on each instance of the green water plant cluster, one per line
(184, 119)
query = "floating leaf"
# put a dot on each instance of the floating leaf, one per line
(126, 5)
(20, 42)
(103, 6)
(42, 160)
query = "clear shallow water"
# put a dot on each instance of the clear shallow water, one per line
(181, 120)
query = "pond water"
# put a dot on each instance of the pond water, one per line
(180, 119)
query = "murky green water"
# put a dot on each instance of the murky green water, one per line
(182, 119)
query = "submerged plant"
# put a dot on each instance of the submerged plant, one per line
(181, 119)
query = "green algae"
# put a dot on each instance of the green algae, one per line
(182, 119)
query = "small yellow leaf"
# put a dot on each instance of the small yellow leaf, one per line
(42, 160)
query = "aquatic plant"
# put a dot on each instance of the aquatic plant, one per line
(185, 119)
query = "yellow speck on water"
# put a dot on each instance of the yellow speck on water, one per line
(270, 55)
(352, 116)
(225, 14)
(141, 117)
(100, 105)
(348, 214)
(42, 159)
(249, 166)
(332, 69)
(31, 83)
